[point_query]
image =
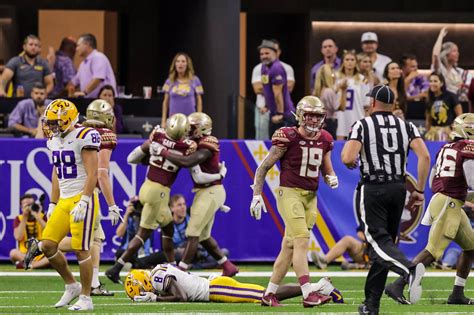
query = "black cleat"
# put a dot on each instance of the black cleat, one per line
(33, 251)
(460, 300)
(364, 309)
(113, 275)
(396, 293)
(101, 291)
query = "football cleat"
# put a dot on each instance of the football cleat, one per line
(270, 300)
(460, 300)
(364, 309)
(414, 284)
(84, 303)
(33, 251)
(101, 291)
(336, 296)
(396, 293)
(72, 291)
(315, 299)
(113, 275)
(229, 269)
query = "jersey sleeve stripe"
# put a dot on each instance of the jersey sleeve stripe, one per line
(83, 133)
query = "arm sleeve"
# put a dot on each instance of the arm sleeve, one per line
(15, 116)
(136, 156)
(203, 178)
(167, 86)
(99, 68)
(198, 85)
(290, 73)
(12, 64)
(277, 75)
(46, 69)
(468, 167)
(257, 73)
(91, 140)
(280, 138)
(412, 131)
(68, 71)
(357, 132)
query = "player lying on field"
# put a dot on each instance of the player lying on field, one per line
(167, 283)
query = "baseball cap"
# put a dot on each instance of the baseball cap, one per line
(369, 37)
(267, 44)
(382, 93)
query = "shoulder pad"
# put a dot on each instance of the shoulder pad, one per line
(108, 139)
(467, 149)
(192, 146)
(210, 142)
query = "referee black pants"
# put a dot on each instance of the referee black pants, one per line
(381, 207)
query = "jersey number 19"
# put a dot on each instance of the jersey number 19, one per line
(310, 157)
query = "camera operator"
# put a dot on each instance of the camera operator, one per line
(29, 224)
(129, 227)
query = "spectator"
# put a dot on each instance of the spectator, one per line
(370, 43)
(107, 93)
(392, 75)
(129, 227)
(351, 92)
(94, 72)
(275, 87)
(366, 69)
(442, 108)
(183, 89)
(329, 51)
(445, 60)
(416, 87)
(27, 69)
(61, 62)
(324, 89)
(29, 224)
(26, 116)
(262, 115)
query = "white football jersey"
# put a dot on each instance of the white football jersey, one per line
(67, 158)
(195, 287)
(356, 100)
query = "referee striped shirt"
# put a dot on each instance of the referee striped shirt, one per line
(385, 143)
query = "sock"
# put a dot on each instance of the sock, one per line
(458, 281)
(305, 285)
(173, 263)
(222, 260)
(271, 288)
(95, 277)
(121, 261)
(183, 265)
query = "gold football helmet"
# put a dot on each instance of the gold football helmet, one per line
(310, 105)
(137, 281)
(59, 117)
(101, 114)
(463, 127)
(201, 125)
(177, 127)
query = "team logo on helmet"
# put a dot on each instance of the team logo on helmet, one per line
(463, 127)
(201, 125)
(137, 281)
(59, 117)
(101, 114)
(177, 127)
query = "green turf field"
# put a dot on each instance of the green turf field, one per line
(37, 294)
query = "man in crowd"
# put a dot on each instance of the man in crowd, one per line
(329, 51)
(275, 87)
(29, 224)
(416, 87)
(25, 117)
(262, 114)
(27, 69)
(370, 43)
(302, 152)
(94, 72)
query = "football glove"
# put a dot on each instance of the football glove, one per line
(157, 149)
(114, 213)
(222, 169)
(224, 208)
(51, 207)
(79, 211)
(257, 206)
(332, 181)
(145, 297)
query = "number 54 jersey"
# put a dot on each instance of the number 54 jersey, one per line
(303, 158)
(67, 158)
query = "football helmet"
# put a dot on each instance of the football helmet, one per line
(201, 125)
(306, 109)
(137, 281)
(59, 117)
(463, 127)
(100, 113)
(177, 127)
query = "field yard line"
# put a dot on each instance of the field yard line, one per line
(244, 274)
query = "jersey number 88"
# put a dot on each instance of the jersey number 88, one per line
(65, 163)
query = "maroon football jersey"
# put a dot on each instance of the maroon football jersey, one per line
(299, 167)
(108, 139)
(161, 170)
(449, 176)
(211, 165)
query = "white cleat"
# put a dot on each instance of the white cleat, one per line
(323, 286)
(72, 291)
(414, 284)
(84, 303)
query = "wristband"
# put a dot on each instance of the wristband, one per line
(85, 198)
(420, 191)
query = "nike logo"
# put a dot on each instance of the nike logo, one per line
(69, 142)
(319, 143)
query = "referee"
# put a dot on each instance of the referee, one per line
(382, 141)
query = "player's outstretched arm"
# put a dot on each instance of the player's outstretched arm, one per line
(418, 146)
(91, 164)
(275, 154)
(187, 160)
(103, 176)
(330, 176)
(175, 293)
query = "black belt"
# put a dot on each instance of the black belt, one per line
(382, 179)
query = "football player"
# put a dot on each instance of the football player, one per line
(303, 151)
(166, 283)
(210, 194)
(73, 207)
(449, 211)
(155, 191)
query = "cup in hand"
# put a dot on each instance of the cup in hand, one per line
(147, 91)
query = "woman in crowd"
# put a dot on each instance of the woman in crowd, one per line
(351, 92)
(62, 65)
(393, 78)
(367, 70)
(445, 59)
(324, 89)
(107, 93)
(183, 90)
(443, 107)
